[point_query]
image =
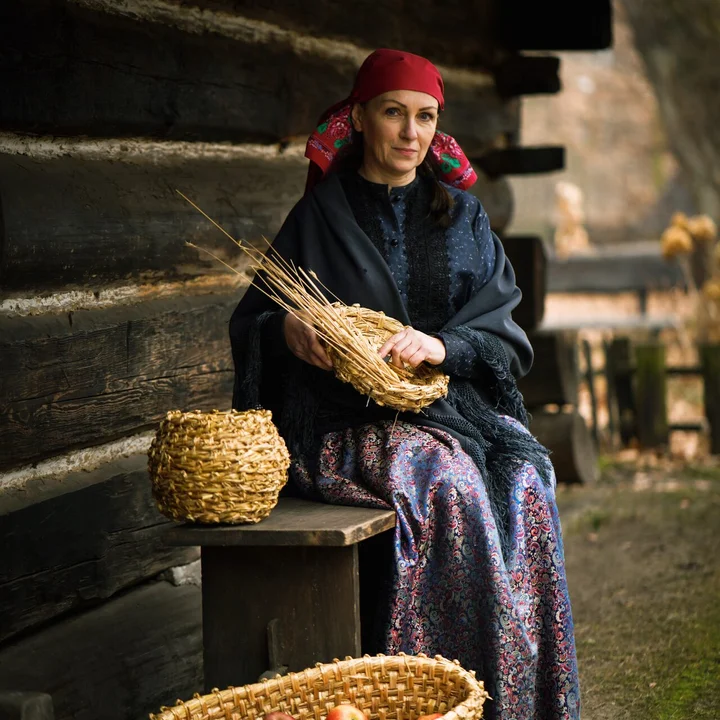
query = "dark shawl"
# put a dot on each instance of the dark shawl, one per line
(321, 234)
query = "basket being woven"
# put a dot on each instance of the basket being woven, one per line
(217, 467)
(401, 389)
(397, 687)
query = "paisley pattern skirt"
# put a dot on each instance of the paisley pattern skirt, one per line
(452, 593)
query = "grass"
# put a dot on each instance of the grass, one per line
(643, 560)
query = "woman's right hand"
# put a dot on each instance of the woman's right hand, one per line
(304, 343)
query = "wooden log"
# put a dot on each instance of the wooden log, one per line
(153, 70)
(71, 551)
(710, 363)
(554, 376)
(621, 395)
(560, 25)
(110, 210)
(26, 706)
(87, 377)
(521, 161)
(651, 395)
(121, 660)
(527, 75)
(527, 256)
(573, 453)
(461, 35)
(110, 213)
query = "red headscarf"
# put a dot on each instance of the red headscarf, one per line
(383, 71)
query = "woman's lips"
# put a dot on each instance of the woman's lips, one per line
(408, 152)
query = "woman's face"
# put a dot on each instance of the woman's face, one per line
(397, 128)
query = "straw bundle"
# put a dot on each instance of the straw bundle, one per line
(217, 467)
(352, 335)
(400, 687)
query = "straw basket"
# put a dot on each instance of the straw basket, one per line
(401, 389)
(399, 687)
(217, 467)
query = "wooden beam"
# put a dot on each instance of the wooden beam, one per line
(121, 660)
(91, 376)
(529, 260)
(556, 25)
(527, 75)
(447, 33)
(521, 161)
(69, 552)
(554, 376)
(156, 69)
(110, 210)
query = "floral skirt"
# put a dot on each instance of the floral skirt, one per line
(452, 592)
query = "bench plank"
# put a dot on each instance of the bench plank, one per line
(293, 522)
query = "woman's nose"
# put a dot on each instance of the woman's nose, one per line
(409, 130)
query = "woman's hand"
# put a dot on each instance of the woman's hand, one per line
(304, 343)
(411, 347)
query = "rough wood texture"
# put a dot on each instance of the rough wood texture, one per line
(26, 706)
(573, 453)
(92, 376)
(69, 552)
(521, 161)
(651, 395)
(710, 362)
(312, 591)
(87, 214)
(122, 660)
(462, 34)
(292, 522)
(527, 256)
(559, 25)
(191, 77)
(554, 376)
(622, 268)
(92, 213)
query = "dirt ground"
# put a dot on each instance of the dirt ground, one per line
(642, 548)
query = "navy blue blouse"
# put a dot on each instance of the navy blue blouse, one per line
(464, 266)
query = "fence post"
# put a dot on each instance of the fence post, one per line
(651, 393)
(590, 379)
(710, 368)
(618, 369)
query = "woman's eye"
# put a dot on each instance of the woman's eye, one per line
(427, 117)
(392, 111)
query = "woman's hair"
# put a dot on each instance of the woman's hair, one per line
(351, 157)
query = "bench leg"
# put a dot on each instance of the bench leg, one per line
(313, 592)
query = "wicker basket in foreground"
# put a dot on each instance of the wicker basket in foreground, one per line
(399, 687)
(218, 467)
(406, 389)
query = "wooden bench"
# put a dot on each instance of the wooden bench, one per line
(282, 594)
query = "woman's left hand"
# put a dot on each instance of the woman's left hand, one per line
(411, 347)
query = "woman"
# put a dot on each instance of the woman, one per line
(386, 222)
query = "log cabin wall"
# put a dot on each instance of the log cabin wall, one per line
(108, 319)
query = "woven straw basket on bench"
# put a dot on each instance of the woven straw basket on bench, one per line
(217, 467)
(399, 687)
